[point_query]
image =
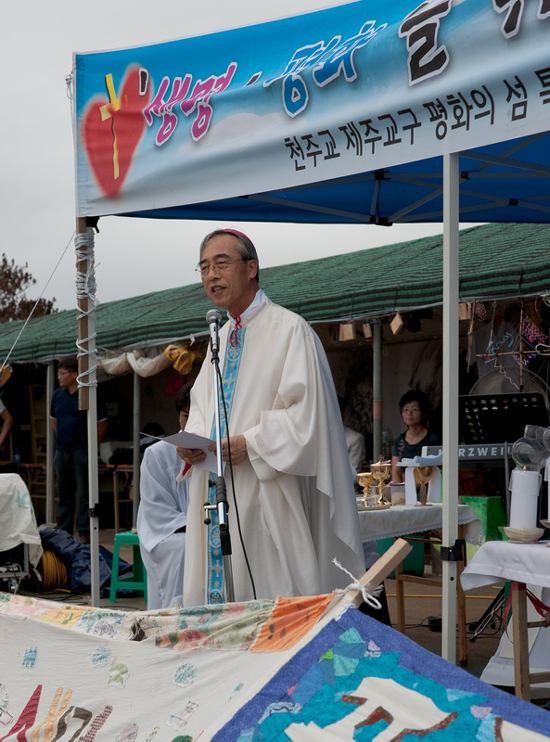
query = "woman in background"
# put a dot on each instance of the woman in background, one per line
(415, 409)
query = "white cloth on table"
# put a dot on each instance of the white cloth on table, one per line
(400, 520)
(295, 492)
(17, 518)
(162, 512)
(498, 561)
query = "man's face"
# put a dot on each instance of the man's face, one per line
(184, 416)
(66, 377)
(234, 287)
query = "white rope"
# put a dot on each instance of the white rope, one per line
(85, 295)
(356, 585)
(4, 364)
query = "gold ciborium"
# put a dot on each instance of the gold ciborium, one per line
(422, 475)
(381, 471)
(365, 479)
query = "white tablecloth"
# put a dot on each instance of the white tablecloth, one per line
(17, 519)
(497, 561)
(400, 520)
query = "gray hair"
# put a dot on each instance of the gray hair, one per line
(245, 245)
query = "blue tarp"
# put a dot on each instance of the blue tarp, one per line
(76, 558)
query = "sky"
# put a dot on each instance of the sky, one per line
(133, 256)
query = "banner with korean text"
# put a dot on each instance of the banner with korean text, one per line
(332, 93)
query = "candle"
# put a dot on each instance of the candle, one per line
(525, 486)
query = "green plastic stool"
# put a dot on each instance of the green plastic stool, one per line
(138, 580)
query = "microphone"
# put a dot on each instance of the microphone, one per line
(213, 317)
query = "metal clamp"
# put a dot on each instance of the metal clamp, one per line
(454, 553)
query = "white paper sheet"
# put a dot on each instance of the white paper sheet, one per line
(189, 440)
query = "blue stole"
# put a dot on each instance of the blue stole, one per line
(215, 588)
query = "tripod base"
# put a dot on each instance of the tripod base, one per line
(493, 615)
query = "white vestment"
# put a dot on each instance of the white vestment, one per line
(357, 450)
(162, 512)
(295, 493)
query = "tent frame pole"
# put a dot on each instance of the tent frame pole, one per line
(450, 398)
(376, 391)
(136, 460)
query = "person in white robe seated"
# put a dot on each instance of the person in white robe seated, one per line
(287, 469)
(355, 441)
(162, 517)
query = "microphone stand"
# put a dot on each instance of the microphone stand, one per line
(221, 505)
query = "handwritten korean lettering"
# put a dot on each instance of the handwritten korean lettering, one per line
(197, 101)
(514, 12)
(327, 62)
(420, 28)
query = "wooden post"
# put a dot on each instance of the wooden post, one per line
(521, 648)
(87, 398)
(82, 304)
(50, 500)
(400, 597)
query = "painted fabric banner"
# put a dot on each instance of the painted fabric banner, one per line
(361, 681)
(349, 89)
(71, 672)
(262, 670)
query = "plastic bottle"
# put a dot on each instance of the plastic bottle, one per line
(387, 443)
(17, 457)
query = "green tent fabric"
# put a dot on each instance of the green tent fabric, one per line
(497, 261)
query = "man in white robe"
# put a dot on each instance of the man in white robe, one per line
(294, 493)
(355, 441)
(162, 517)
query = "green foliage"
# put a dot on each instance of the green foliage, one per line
(14, 281)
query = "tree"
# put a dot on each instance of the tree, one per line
(14, 281)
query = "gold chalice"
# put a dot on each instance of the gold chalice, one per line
(365, 479)
(381, 471)
(422, 475)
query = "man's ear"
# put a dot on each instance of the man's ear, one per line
(253, 268)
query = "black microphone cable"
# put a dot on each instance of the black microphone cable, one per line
(233, 483)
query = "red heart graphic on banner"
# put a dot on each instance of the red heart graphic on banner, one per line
(112, 131)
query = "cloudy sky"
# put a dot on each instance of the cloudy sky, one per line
(134, 256)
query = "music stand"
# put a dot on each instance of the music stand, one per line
(498, 418)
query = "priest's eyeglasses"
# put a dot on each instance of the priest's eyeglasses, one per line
(220, 265)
